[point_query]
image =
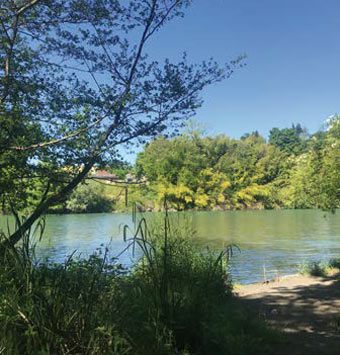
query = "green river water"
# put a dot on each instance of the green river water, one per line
(276, 241)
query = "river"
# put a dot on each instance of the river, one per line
(272, 242)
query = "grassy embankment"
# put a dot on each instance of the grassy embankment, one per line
(174, 300)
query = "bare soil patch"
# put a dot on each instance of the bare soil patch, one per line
(305, 308)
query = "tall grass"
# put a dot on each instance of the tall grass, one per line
(48, 308)
(174, 300)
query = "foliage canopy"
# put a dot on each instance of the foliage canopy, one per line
(76, 83)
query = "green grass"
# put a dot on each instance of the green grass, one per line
(320, 269)
(174, 300)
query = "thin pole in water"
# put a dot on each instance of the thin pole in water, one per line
(264, 272)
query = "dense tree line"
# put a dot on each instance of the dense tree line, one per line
(194, 171)
(291, 170)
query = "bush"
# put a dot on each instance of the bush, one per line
(89, 198)
(334, 263)
(313, 268)
(59, 308)
(321, 269)
(177, 289)
(175, 300)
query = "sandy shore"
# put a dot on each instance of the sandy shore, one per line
(305, 308)
(273, 285)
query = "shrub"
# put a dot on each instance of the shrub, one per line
(89, 198)
(313, 268)
(175, 300)
(321, 269)
(334, 263)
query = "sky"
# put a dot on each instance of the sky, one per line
(292, 72)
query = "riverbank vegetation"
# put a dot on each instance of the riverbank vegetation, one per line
(318, 268)
(78, 88)
(176, 299)
(293, 169)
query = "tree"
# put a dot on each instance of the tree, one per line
(76, 83)
(327, 166)
(246, 135)
(197, 171)
(298, 189)
(290, 140)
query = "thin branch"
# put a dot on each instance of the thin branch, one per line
(92, 75)
(55, 141)
(26, 7)
(157, 122)
(141, 44)
(46, 191)
(116, 182)
(108, 55)
(5, 30)
(164, 17)
(9, 55)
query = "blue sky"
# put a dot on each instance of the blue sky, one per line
(293, 61)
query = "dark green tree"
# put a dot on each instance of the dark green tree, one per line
(290, 140)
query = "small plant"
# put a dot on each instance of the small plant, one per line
(334, 263)
(320, 269)
(313, 268)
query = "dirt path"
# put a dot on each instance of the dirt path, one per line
(306, 309)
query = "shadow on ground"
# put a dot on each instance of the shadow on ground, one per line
(306, 310)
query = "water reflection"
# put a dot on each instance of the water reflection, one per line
(274, 241)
